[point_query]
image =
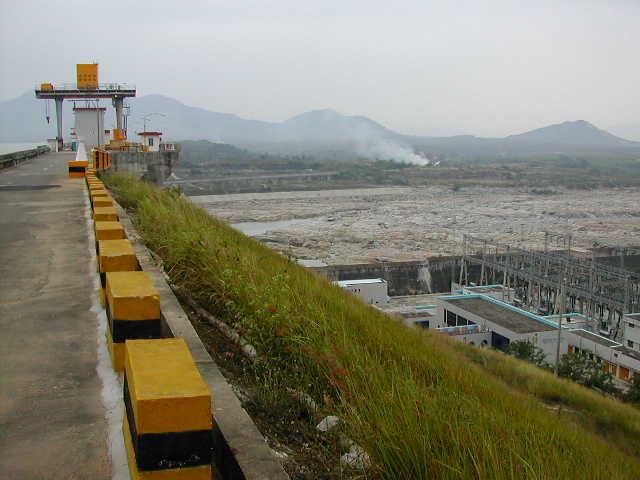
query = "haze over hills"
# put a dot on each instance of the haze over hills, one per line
(321, 132)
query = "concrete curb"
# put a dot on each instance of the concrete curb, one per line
(240, 450)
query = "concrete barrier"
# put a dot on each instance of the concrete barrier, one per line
(101, 201)
(99, 195)
(105, 214)
(108, 231)
(12, 159)
(133, 311)
(114, 256)
(168, 420)
(77, 168)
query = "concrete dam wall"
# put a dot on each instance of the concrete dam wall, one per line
(433, 275)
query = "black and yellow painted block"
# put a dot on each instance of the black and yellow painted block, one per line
(108, 231)
(101, 201)
(133, 308)
(168, 421)
(114, 256)
(105, 214)
(132, 296)
(77, 168)
(99, 194)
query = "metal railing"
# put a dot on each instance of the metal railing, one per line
(57, 86)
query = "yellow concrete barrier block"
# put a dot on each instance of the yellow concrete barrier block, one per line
(101, 201)
(168, 417)
(77, 168)
(105, 214)
(116, 256)
(93, 186)
(109, 231)
(98, 192)
(132, 296)
(167, 391)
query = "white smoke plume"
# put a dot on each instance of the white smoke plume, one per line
(384, 149)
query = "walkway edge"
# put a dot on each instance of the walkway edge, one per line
(240, 450)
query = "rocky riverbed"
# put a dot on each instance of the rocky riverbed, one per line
(399, 223)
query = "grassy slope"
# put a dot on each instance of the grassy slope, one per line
(422, 405)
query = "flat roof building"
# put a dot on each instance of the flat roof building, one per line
(373, 291)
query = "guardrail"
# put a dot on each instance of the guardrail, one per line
(12, 159)
(74, 86)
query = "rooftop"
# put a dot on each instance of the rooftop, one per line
(506, 316)
(311, 263)
(595, 338)
(364, 281)
(485, 288)
(628, 352)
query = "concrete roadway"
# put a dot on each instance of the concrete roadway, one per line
(52, 419)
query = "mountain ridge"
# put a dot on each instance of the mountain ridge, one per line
(314, 131)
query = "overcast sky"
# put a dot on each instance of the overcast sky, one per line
(489, 68)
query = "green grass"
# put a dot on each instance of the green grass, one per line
(422, 405)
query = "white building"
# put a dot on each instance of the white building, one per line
(151, 140)
(632, 331)
(505, 322)
(373, 291)
(89, 125)
(481, 318)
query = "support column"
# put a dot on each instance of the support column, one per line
(118, 103)
(59, 121)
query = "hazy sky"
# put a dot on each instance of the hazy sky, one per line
(489, 68)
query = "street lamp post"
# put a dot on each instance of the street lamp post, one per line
(147, 117)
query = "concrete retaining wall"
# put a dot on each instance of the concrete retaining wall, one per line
(153, 167)
(13, 159)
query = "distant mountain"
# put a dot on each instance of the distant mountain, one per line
(331, 125)
(321, 132)
(578, 132)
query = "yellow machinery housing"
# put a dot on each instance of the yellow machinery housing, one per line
(87, 75)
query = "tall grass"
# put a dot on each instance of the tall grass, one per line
(421, 405)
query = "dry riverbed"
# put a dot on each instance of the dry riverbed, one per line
(401, 223)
